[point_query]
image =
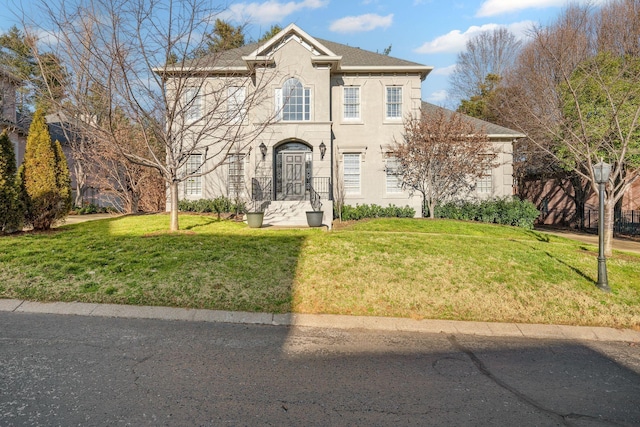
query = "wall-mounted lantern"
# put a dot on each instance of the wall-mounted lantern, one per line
(263, 150)
(323, 150)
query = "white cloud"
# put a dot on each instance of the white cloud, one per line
(438, 96)
(368, 22)
(455, 41)
(444, 71)
(269, 11)
(498, 7)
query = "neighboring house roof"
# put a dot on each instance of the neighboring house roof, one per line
(492, 130)
(58, 127)
(344, 58)
(18, 127)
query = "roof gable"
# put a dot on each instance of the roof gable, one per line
(340, 57)
(292, 33)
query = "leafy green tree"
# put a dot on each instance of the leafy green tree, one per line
(275, 29)
(575, 93)
(11, 213)
(46, 178)
(482, 104)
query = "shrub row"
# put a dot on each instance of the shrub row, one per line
(218, 205)
(505, 211)
(374, 211)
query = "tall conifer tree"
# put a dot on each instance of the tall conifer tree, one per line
(11, 214)
(46, 179)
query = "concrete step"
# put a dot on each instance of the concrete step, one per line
(290, 213)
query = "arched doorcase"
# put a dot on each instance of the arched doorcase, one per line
(292, 170)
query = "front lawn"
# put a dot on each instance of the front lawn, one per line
(388, 267)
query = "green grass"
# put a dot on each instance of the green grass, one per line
(388, 267)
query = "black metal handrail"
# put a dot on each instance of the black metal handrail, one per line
(322, 185)
(314, 198)
(261, 189)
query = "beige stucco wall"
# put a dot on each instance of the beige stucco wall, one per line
(372, 135)
(291, 60)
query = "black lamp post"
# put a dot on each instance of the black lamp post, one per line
(263, 150)
(323, 150)
(601, 173)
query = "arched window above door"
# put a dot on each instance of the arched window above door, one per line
(293, 101)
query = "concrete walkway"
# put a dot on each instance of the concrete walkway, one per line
(619, 244)
(489, 329)
(75, 219)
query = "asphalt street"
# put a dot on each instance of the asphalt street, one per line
(77, 370)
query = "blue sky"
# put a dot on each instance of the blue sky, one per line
(430, 32)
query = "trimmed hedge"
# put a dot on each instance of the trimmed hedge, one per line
(374, 211)
(505, 211)
(218, 205)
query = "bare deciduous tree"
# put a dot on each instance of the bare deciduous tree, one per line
(575, 93)
(441, 156)
(490, 52)
(138, 57)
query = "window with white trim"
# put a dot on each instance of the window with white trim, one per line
(192, 104)
(394, 181)
(394, 102)
(236, 109)
(484, 185)
(293, 101)
(193, 184)
(351, 173)
(235, 177)
(351, 103)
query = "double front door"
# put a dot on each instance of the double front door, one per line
(293, 174)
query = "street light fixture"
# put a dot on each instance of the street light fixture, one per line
(601, 173)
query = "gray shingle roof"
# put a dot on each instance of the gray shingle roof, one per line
(490, 128)
(351, 56)
(354, 56)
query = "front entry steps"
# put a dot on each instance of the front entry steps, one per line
(293, 213)
(287, 213)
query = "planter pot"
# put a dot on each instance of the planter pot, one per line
(314, 218)
(254, 219)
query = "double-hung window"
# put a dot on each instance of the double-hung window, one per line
(193, 184)
(351, 173)
(394, 181)
(235, 176)
(394, 102)
(484, 184)
(293, 101)
(351, 104)
(192, 104)
(236, 109)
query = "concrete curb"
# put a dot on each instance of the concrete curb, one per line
(561, 332)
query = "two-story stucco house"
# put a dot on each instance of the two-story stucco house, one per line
(338, 110)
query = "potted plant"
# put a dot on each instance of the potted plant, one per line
(255, 216)
(314, 217)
